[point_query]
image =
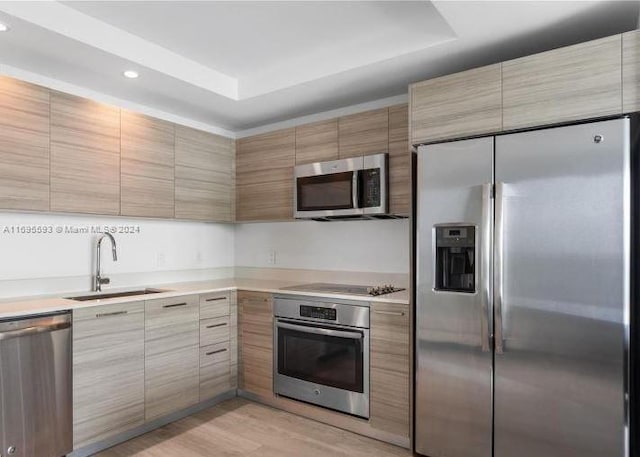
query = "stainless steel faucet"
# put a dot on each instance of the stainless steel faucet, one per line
(98, 280)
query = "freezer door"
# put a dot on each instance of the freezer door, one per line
(453, 350)
(561, 291)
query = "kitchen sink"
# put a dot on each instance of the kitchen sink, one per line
(126, 293)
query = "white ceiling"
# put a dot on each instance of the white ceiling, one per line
(238, 65)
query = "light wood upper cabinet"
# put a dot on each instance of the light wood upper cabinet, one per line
(458, 105)
(108, 371)
(566, 84)
(631, 71)
(172, 355)
(204, 175)
(390, 368)
(363, 133)
(256, 342)
(265, 176)
(399, 161)
(85, 155)
(146, 166)
(317, 142)
(24, 145)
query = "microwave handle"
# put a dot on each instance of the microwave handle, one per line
(355, 185)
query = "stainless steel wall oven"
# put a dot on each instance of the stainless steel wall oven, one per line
(322, 353)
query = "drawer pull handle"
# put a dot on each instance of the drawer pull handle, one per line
(216, 352)
(216, 325)
(115, 313)
(174, 305)
(215, 299)
(390, 313)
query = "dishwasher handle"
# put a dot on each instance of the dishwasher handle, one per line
(34, 330)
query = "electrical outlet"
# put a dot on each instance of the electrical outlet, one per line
(160, 259)
(272, 257)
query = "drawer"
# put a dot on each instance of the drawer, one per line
(214, 305)
(109, 313)
(215, 371)
(214, 331)
(213, 354)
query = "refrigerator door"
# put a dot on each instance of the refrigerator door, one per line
(561, 291)
(453, 350)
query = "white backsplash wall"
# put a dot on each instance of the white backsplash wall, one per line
(365, 246)
(162, 251)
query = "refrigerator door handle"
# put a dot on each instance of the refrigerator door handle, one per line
(498, 267)
(485, 267)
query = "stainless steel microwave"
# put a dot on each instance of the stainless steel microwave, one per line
(355, 188)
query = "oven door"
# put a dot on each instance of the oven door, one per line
(323, 365)
(327, 189)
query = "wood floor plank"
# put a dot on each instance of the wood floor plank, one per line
(239, 427)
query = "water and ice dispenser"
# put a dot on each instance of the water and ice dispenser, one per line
(455, 267)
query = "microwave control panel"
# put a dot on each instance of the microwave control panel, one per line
(371, 188)
(317, 312)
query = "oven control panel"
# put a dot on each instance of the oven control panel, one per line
(318, 312)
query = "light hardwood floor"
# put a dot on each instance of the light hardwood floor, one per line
(239, 427)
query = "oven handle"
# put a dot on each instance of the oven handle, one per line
(321, 331)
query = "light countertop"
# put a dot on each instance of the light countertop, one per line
(23, 306)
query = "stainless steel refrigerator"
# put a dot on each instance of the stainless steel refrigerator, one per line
(522, 294)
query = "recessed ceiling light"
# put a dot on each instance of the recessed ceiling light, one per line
(3, 27)
(131, 74)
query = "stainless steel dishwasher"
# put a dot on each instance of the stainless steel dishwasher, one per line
(35, 386)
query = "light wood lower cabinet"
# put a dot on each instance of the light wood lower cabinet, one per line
(171, 355)
(256, 342)
(390, 368)
(215, 370)
(218, 344)
(108, 371)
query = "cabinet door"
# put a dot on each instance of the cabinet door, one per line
(631, 71)
(256, 340)
(171, 355)
(108, 371)
(566, 84)
(85, 155)
(399, 161)
(265, 176)
(146, 166)
(390, 368)
(363, 133)
(454, 106)
(317, 142)
(204, 175)
(24, 145)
